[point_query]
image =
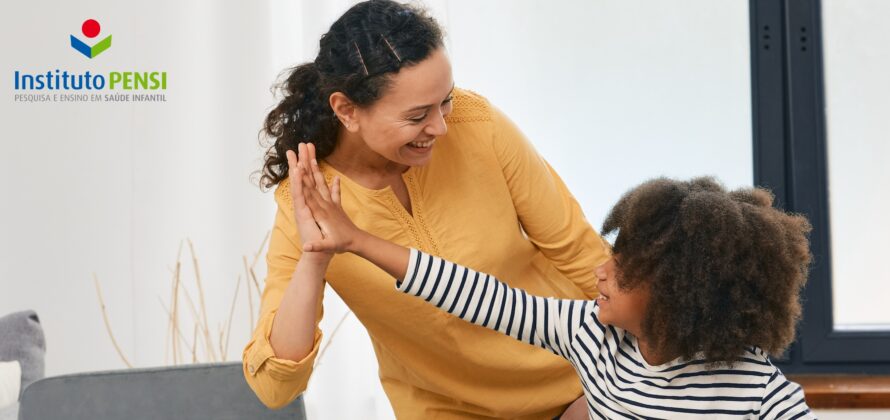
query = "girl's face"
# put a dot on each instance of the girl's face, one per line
(402, 126)
(624, 309)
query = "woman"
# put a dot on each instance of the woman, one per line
(426, 165)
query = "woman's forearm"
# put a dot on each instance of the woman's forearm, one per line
(293, 329)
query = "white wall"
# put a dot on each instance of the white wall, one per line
(112, 188)
(611, 92)
(616, 92)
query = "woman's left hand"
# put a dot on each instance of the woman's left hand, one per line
(337, 229)
(306, 226)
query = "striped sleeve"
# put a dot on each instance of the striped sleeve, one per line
(484, 300)
(784, 400)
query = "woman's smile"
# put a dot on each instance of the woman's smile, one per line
(421, 147)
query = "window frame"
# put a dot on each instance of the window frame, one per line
(789, 147)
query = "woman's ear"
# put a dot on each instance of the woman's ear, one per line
(345, 111)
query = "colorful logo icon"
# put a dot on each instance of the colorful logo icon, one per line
(90, 29)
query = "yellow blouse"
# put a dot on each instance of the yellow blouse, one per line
(486, 200)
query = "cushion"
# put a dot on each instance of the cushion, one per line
(215, 391)
(10, 382)
(21, 339)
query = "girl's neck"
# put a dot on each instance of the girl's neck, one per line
(651, 354)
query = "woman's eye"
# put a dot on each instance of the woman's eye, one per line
(420, 119)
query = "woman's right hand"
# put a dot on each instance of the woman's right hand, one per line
(306, 225)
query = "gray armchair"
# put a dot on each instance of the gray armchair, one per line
(206, 391)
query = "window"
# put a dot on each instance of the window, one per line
(817, 161)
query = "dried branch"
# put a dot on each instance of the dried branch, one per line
(247, 273)
(176, 329)
(259, 252)
(174, 313)
(195, 344)
(174, 339)
(169, 332)
(108, 324)
(331, 338)
(256, 258)
(209, 347)
(174, 322)
(231, 314)
(192, 308)
(222, 351)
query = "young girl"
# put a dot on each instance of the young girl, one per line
(703, 285)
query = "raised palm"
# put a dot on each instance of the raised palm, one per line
(297, 166)
(317, 206)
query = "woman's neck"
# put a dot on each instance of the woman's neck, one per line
(355, 159)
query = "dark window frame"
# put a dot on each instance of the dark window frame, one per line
(789, 148)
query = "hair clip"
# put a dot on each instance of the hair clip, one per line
(360, 58)
(391, 49)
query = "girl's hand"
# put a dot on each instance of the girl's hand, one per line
(576, 411)
(309, 230)
(338, 233)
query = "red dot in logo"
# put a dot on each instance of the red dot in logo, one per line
(90, 28)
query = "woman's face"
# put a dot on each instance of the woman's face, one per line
(624, 309)
(402, 126)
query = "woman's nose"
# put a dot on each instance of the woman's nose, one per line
(437, 127)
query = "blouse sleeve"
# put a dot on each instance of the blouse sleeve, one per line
(278, 381)
(549, 214)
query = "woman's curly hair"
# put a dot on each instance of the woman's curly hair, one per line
(358, 56)
(724, 268)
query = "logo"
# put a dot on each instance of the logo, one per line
(54, 84)
(90, 29)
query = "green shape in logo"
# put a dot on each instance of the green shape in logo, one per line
(90, 29)
(93, 51)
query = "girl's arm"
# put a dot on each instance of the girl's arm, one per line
(475, 297)
(479, 298)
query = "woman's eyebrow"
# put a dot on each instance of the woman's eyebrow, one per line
(420, 107)
(417, 108)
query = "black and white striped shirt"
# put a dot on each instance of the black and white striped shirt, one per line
(617, 381)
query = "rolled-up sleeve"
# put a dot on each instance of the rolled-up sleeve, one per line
(278, 381)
